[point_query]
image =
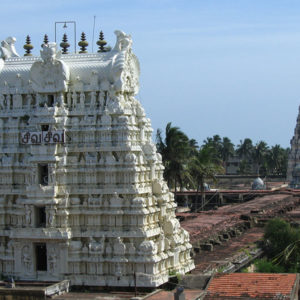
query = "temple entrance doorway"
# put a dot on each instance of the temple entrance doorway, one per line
(41, 257)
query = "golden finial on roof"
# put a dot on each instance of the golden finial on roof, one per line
(101, 43)
(46, 40)
(28, 47)
(83, 43)
(64, 44)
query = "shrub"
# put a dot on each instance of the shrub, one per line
(282, 244)
(265, 266)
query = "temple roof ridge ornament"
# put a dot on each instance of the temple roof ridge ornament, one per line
(8, 49)
(49, 52)
(124, 41)
(54, 72)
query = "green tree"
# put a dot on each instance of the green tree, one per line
(204, 165)
(259, 155)
(226, 150)
(193, 146)
(175, 150)
(277, 160)
(215, 144)
(222, 148)
(266, 266)
(244, 149)
(281, 244)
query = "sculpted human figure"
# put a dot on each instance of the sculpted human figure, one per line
(52, 261)
(2, 101)
(28, 100)
(69, 99)
(113, 103)
(101, 100)
(92, 200)
(51, 216)
(26, 258)
(93, 99)
(17, 101)
(28, 214)
(19, 82)
(8, 101)
(74, 98)
(119, 247)
(96, 247)
(82, 99)
(5, 102)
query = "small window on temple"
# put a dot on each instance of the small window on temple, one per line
(50, 101)
(40, 216)
(43, 174)
(45, 127)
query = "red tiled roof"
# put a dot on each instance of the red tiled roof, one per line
(262, 285)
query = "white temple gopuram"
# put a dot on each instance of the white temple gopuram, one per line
(82, 190)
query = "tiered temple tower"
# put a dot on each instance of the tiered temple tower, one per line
(82, 189)
(293, 169)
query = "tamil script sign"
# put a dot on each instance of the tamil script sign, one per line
(42, 137)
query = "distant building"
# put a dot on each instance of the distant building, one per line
(82, 190)
(235, 165)
(232, 165)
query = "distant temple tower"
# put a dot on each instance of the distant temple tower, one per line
(82, 190)
(293, 169)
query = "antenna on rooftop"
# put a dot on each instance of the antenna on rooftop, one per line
(93, 34)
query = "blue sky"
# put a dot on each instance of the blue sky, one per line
(227, 67)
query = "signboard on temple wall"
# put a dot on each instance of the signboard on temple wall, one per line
(42, 137)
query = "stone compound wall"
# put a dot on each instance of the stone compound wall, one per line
(83, 195)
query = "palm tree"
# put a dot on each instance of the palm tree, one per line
(259, 154)
(227, 150)
(193, 146)
(175, 151)
(203, 165)
(277, 160)
(245, 148)
(215, 146)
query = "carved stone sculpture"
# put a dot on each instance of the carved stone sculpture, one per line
(50, 74)
(8, 49)
(51, 216)
(52, 261)
(28, 213)
(26, 258)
